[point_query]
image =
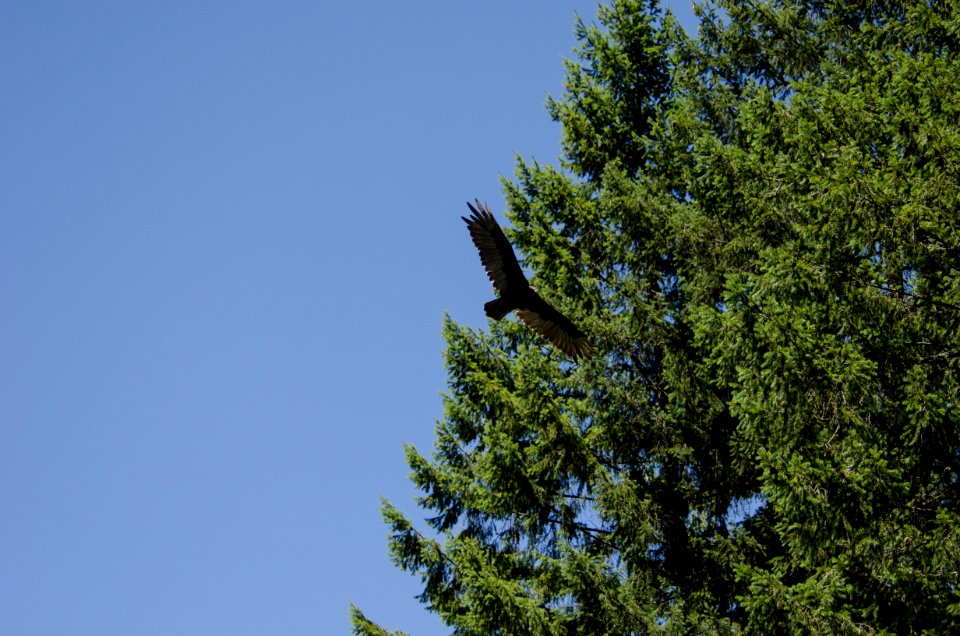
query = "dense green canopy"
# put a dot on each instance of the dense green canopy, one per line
(760, 231)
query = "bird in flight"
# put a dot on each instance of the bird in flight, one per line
(514, 292)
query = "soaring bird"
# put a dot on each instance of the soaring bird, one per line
(515, 293)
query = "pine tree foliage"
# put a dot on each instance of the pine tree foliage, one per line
(761, 227)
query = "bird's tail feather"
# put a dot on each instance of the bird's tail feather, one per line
(496, 309)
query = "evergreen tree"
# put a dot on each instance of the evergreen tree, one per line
(761, 229)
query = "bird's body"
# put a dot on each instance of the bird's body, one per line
(515, 293)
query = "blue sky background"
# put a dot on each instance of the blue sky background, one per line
(228, 234)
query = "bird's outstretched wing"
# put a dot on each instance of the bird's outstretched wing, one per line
(540, 316)
(496, 253)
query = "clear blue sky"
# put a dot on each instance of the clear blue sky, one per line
(228, 233)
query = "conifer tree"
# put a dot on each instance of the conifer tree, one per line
(761, 229)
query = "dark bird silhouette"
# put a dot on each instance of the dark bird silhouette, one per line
(515, 293)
